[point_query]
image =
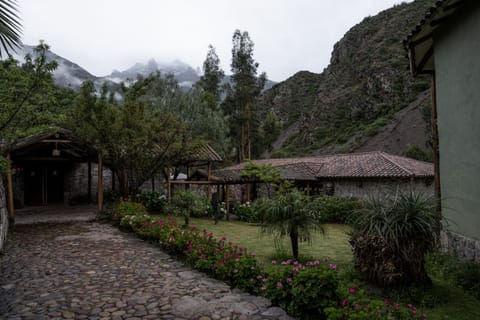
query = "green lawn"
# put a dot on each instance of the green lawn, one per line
(448, 302)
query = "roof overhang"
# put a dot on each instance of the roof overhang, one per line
(419, 44)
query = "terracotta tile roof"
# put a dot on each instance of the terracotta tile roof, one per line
(375, 164)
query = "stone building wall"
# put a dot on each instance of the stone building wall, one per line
(463, 247)
(76, 182)
(3, 216)
(365, 188)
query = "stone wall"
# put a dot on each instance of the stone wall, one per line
(76, 186)
(365, 188)
(3, 216)
(463, 247)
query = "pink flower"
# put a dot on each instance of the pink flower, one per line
(274, 261)
(386, 302)
(193, 228)
(253, 254)
(289, 280)
(237, 260)
(325, 259)
(333, 266)
(235, 271)
(279, 285)
(263, 288)
(259, 276)
(296, 263)
(316, 263)
(352, 290)
(345, 302)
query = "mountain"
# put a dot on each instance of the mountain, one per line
(70, 74)
(365, 90)
(183, 73)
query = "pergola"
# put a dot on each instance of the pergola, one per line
(55, 148)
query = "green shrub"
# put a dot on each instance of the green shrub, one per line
(126, 207)
(355, 305)
(304, 290)
(330, 209)
(153, 201)
(463, 274)
(245, 212)
(391, 236)
(186, 204)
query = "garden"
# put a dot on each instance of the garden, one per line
(317, 257)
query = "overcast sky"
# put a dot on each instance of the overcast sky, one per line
(103, 35)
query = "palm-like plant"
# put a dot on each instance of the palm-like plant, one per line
(10, 27)
(288, 215)
(391, 237)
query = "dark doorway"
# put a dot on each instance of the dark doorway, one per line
(44, 184)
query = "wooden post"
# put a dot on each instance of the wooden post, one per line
(248, 192)
(436, 152)
(227, 201)
(209, 175)
(11, 209)
(113, 179)
(169, 187)
(89, 182)
(308, 188)
(100, 184)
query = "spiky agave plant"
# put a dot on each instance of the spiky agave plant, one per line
(391, 236)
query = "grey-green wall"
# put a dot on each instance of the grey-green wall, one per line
(457, 74)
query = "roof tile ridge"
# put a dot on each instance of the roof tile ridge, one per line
(389, 158)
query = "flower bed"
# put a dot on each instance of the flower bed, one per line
(310, 290)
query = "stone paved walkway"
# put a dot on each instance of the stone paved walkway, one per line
(87, 270)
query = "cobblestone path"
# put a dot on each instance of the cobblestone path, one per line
(87, 270)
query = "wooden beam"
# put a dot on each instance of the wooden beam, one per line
(425, 58)
(169, 186)
(436, 152)
(56, 141)
(227, 201)
(11, 209)
(209, 176)
(89, 182)
(100, 184)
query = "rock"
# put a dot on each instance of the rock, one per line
(274, 313)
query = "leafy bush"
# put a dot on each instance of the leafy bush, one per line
(245, 212)
(304, 290)
(153, 201)
(186, 203)
(463, 274)
(330, 209)
(391, 236)
(126, 207)
(355, 305)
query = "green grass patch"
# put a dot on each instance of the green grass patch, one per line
(333, 244)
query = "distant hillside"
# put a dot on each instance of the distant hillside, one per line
(360, 93)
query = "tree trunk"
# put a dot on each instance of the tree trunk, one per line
(294, 241)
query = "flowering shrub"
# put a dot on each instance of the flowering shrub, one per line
(304, 290)
(356, 306)
(245, 212)
(127, 207)
(153, 201)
